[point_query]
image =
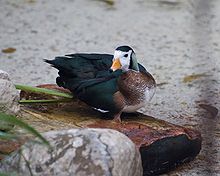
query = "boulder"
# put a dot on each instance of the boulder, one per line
(90, 152)
(9, 96)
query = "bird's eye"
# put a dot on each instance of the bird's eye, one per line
(126, 55)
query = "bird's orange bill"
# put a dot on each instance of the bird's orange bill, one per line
(116, 64)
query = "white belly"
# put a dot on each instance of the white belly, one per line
(133, 108)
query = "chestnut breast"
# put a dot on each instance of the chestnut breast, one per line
(136, 87)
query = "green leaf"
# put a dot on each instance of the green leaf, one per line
(44, 101)
(6, 135)
(43, 90)
(13, 120)
(8, 174)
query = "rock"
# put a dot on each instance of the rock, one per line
(8, 146)
(78, 152)
(9, 96)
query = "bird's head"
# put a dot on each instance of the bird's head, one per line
(124, 59)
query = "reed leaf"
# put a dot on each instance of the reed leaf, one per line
(44, 101)
(13, 120)
(6, 135)
(7, 174)
(43, 91)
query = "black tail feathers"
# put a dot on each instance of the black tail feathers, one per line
(48, 61)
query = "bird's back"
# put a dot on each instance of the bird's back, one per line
(78, 69)
(89, 77)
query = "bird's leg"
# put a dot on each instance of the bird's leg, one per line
(117, 117)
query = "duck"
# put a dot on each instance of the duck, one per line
(108, 83)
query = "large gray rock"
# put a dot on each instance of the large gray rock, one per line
(9, 96)
(78, 152)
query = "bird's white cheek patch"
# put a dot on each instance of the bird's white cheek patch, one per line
(117, 54)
